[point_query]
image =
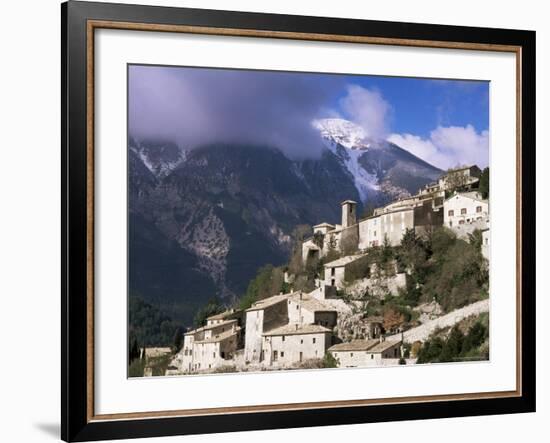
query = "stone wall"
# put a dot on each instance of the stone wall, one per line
(422, 332)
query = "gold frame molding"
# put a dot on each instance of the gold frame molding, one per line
(92, 25)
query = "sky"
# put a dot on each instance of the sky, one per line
(444, 122)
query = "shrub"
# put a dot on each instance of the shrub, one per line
(329, 361)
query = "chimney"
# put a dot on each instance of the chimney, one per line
(382, 338)
(348, 213)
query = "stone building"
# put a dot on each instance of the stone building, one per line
(420, 212)
(335, 271)
(230, 314)
(464, 178)
(393, 220)
(307, 309)
(294, 343)
(365, 353)
(328, 237)
(209, 347)
(261, 317)
(463, 212)
(391, 225)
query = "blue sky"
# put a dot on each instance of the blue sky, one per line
(444, 122)
(420, 105)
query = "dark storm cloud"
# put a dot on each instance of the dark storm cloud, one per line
(195, 106)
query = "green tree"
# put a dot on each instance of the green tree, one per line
(329, 361)
(268, 281)
(476, 335)
(476, 239)
(484, 183)
(178, 339)
(430, 350)
(453, 346)
(213, 307)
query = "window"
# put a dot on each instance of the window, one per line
(351, 354)
(297, 306)
(461, 222)
(302, 341)
(214, 355)
(282, 354)
(275, 356)
(463, 211)
(478, 209)
(283, 339)
(314, 340)
(333, 271)
(451, 213)
(372, 356)
(375, 233)
(333, 282)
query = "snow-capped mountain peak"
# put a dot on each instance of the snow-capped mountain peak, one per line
(343, 132)
(349, 142)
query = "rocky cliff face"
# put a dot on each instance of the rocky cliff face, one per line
(202, 221)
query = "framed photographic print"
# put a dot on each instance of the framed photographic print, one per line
(279, 221)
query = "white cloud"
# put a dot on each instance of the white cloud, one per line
(448, 146)
(368, 109)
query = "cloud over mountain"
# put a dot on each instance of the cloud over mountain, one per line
(448, 146)
(199, 106)
(368, 109)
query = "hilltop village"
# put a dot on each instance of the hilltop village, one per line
(338, 318)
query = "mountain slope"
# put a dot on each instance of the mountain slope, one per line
(202, 222)
(380, 169)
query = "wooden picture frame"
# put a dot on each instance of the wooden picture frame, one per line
(79, 22)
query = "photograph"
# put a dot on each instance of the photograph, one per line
(282, 220)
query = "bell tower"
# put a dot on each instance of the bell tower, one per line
(349, 218)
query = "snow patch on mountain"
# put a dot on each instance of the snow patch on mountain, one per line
(349, 142)
(343, 132)
(162, 160)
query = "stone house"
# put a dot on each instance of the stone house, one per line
(373, 230)
(307, 309)
(208, 347)
(294, 343)
(230, 314)
(365, 353)
(335, 271)
(465, 211)
(466, 177)
(261, 317)
(336, 237)
(392, 221)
